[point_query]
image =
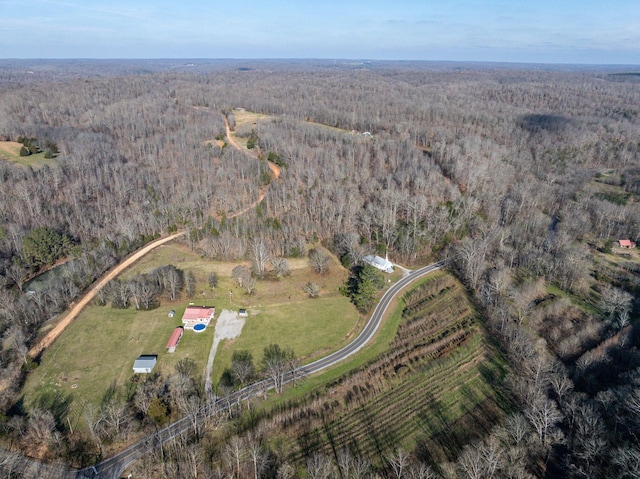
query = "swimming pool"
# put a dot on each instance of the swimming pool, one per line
(198, 328)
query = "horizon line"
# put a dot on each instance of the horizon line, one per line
(325, 59)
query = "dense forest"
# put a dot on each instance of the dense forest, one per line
(524, 177)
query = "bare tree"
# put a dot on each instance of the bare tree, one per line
(213, 279)
(259, 458)
(41, 427)
(312, 289)
(280, 267)
(319, 466)
(275, 363)
(615, 300)
(173, 281)
(242, 366)
(319, 260)
(250, 284)
(543, 415)
(398, 462)
(286, 471)
(18, 273)
(241, 274)
(234, 454)
(190, 284)
(259, 254)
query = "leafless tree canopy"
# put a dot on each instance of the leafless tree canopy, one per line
(524, 177)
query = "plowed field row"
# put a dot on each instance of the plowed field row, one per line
(393, 414)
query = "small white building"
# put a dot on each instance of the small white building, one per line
(145, 363)
(378, 262)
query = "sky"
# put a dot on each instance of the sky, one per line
(529, 31)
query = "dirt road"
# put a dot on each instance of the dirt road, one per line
(275, 170)
(86, 299)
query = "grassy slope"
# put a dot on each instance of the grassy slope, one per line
(247, 120)
(431, 392)
(10, 150)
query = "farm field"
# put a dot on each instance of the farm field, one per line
(437, 387)
(99, 347)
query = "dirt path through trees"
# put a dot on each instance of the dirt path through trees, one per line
(52, 335)
(86, 299)
(275, 170)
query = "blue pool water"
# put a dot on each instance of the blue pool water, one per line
(198, 328)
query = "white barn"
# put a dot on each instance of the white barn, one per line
(378, 262)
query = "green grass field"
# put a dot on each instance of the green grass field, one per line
(311, 327)
(10, 151)
(100, 346)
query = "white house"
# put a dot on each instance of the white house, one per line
(197, 315)
(378, 262)
(144, 364)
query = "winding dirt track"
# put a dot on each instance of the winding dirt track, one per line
(52, 335)
(86, 299)
(275, 170)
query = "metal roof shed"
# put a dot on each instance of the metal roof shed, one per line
(172, 344)
(145, 363)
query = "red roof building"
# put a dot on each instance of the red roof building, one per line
(174, 339)
(626, 243)
(197, 315)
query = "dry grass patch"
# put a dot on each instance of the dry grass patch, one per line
(10, 149)
(244, 117)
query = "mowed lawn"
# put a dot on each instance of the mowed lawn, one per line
(312, 328)
(100, 346)
(10, 150)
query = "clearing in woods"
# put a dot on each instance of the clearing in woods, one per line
(10, 151)
(99, 347)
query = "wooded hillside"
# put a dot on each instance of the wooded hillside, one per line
(527, 177)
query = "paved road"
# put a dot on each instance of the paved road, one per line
(113, 467)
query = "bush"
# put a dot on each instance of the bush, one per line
(312, 289)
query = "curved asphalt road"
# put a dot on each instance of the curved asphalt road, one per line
(113, 467)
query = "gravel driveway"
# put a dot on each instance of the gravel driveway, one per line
(228, 326)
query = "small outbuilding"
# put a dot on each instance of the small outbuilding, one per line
(378, 262)
(145, 363)
(243, 313)
(172, 344)
(625, 243)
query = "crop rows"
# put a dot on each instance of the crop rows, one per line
(415, 311)
(429, 375)
(391, 416)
